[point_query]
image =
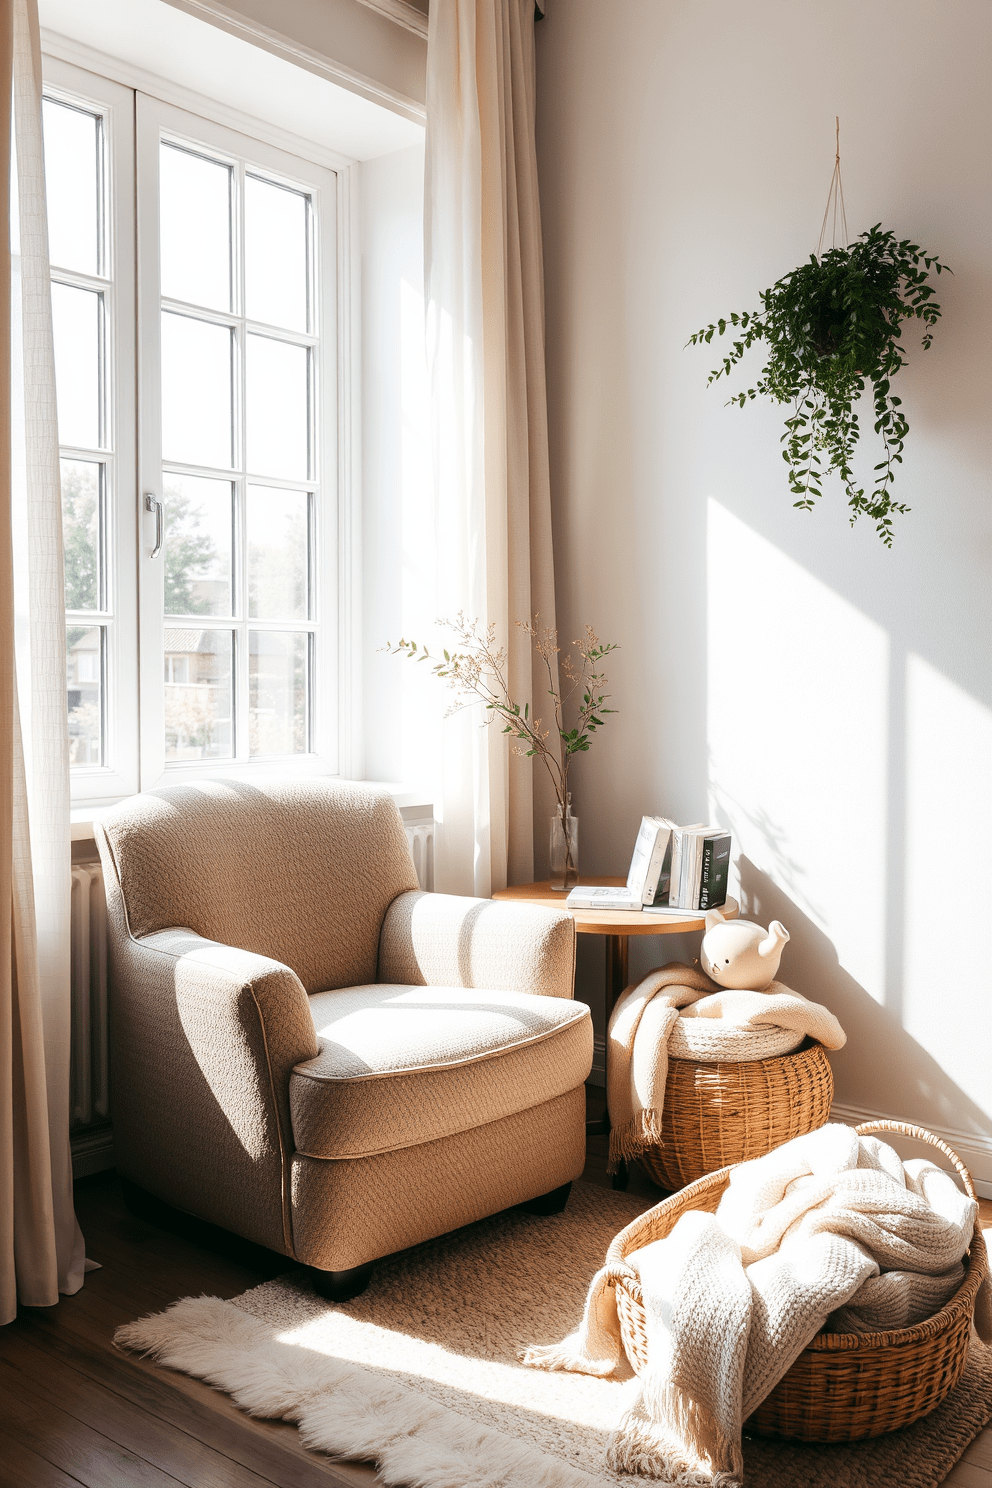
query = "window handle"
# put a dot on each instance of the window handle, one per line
(152, 504)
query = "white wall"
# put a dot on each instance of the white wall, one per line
(152, 46)
(827, 699)
(347, 32)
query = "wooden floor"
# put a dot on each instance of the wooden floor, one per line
(75, 1411)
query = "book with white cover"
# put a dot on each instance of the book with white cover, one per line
(641, 857)
(681, 837)
(648, 858)
(587, 896)
(672, 911)
(659, 883)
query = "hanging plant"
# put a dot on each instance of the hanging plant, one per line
(832, 326)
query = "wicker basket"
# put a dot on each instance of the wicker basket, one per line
(719, 1114)
(843, 1386)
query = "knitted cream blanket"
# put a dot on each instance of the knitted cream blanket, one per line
(645, 1018)
(830, 1223)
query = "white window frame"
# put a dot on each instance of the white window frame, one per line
(119, 775)
(157, 121)
(117, 88)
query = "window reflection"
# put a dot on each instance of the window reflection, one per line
(84, 693)
(198, 694)
(278, 685)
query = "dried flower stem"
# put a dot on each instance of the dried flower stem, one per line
(476, 672)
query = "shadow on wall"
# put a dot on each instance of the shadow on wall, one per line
(886, 1067)
(850, 752)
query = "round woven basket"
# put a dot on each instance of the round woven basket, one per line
(719, 1114)
(843, 1386)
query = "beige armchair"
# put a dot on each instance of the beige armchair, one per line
(309, 1051)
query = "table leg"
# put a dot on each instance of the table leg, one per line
(617, 962)
(617, 959)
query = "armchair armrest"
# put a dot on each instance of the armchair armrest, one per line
(445, 940)
(215, 1031)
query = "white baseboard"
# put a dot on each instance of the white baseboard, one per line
(92, 1151)
(974, 1150)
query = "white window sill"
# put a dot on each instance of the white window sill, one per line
(414, 805)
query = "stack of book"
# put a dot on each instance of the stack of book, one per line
(700, 868)
(673, 870)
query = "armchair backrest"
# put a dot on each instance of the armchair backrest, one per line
(302, 872)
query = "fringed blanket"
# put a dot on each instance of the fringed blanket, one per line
(645, 1019)
(830, 1226)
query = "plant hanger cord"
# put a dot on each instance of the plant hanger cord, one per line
(832, 329)
(835, 199)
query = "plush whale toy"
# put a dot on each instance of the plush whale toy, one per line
(739, 955)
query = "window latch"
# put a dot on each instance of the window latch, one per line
(152, 504)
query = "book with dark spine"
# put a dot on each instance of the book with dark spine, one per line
(715, 871)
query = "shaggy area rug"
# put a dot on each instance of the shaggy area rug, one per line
(421, 1374)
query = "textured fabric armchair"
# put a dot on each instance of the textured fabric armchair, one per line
(309, 1051)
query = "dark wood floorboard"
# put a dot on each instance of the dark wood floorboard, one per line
(20, 1466)
(61, 1387)
(77, 1413)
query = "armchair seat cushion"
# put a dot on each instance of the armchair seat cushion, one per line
(399, 1066)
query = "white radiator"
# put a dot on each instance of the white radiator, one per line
(420, 836)
(90, 1071)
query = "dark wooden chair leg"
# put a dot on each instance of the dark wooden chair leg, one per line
(341, 1286)
(621, 1177)
(549, 1203)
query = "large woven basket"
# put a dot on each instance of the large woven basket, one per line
(843, 1386)
(719, 1114)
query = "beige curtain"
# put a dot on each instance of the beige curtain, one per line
(485, 334)
(41, 1248)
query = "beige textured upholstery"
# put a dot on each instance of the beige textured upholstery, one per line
(301, 873)
(399, 1067)
(312, 1053)
(347, 1213)
(442, 940)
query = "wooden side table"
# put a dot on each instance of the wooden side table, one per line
(618, 925)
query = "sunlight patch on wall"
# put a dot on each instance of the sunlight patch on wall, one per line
(797, 698)
(948, 827)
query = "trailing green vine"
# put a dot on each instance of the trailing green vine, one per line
(832, 326)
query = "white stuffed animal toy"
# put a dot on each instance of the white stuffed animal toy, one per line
(739, 955)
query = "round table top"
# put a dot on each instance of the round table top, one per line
(613, 921)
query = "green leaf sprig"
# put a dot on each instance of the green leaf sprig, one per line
(832, 326)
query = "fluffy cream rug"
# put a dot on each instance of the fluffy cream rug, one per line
(421, 1373)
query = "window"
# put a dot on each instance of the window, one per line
(217, 527)
(89, 170)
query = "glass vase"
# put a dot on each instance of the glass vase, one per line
(564, 850)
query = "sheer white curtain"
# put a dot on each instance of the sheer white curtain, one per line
(41, 1248)
(485, 330)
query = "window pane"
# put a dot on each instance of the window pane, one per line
(278, 554)
(195, 228)
(196, 391)
(84, 685)
(81, 498)
(76, 325)
(198, 694)
(278, 688)
(199, 542)
(276, 255)
(72, 178)
(277, 408)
